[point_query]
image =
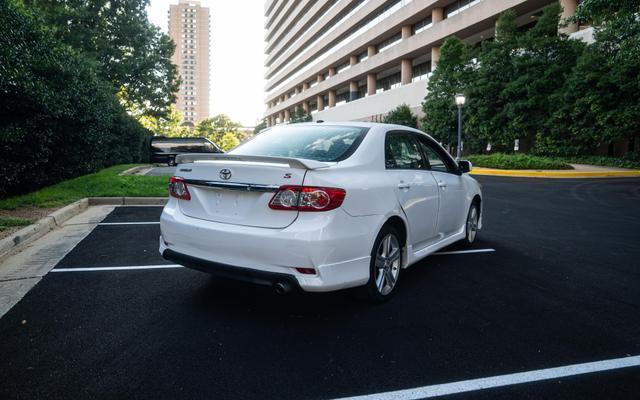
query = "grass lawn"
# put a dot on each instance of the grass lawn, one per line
(516, 161)
(8, 222)
(105, 183)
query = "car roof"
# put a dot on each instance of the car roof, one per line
(362, 124)
(178, 139)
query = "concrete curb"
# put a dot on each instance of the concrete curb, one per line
(42, 226)
(137, 170)
(555, 174)
(57, 218)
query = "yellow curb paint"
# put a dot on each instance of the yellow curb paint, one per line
(555, 174)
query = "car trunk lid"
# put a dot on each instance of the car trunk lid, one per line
(237, 189)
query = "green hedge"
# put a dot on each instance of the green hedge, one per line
(516, 161)
(58, 119)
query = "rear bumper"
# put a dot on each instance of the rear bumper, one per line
(336, 245)
(229, 271)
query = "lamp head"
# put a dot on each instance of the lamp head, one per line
(460, 99)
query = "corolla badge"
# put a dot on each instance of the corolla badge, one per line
(225, 174)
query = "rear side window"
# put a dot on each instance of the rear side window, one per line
(402, 152)
(313, 142)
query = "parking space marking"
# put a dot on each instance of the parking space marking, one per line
(443, 253)
(503, 380)
(166, 266)
(137, 267)
(129, 223)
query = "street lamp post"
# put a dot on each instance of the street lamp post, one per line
(460, 100)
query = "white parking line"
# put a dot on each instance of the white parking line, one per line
(162, 266)
(165, 266)
(503, 380)
(442, 253)
(129, 223)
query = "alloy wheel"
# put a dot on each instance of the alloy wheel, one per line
(472, 224)
(387, 266)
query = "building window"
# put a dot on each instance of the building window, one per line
(369, 22)
(421, 71)
(342, 67)
(458, 7)
(390, 82)
(422, 25)
(388, 43)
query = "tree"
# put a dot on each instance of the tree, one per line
(580, 124)
(170, 126)
(228, 141)
(127, 49)
(451, 76)
(603, 12)
(60, 119)
(541, 65)
(260, 127)
(402, 115)
(602, 96)
(300, 115)
(484, 114)
(216, 127)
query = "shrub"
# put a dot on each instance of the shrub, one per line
(516, 161)
(58, 118)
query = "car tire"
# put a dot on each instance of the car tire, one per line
(471, 224)
(385, 266)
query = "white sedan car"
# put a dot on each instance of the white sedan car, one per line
(320, 207)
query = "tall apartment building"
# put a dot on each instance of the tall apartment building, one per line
(358, 59)
(189, 28)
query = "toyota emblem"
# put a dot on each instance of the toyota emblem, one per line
(225, 174)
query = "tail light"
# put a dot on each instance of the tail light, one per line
(178, 188)
(307, 198)
(306, 271)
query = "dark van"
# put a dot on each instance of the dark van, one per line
(164, 150)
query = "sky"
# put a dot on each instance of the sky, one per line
(236, 58)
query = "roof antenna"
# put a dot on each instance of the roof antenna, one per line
(319, 121)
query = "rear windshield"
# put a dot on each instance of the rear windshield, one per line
(312, 142)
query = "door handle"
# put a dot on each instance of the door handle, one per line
(404, 186)
(442, 185)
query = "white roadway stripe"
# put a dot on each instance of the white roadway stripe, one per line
(129, 223)
(442, 253)
(503, 380)
(162, 266)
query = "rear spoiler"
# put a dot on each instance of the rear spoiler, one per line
(291, 162)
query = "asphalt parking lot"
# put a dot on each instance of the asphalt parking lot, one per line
(562, 287)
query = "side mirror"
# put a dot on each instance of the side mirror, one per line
(465, 166)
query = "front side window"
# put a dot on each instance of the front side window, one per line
(436, 161)
(402, 152)
(313, 142)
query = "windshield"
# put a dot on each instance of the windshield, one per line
(312, 142)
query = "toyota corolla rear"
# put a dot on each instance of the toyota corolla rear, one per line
(252, 215)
